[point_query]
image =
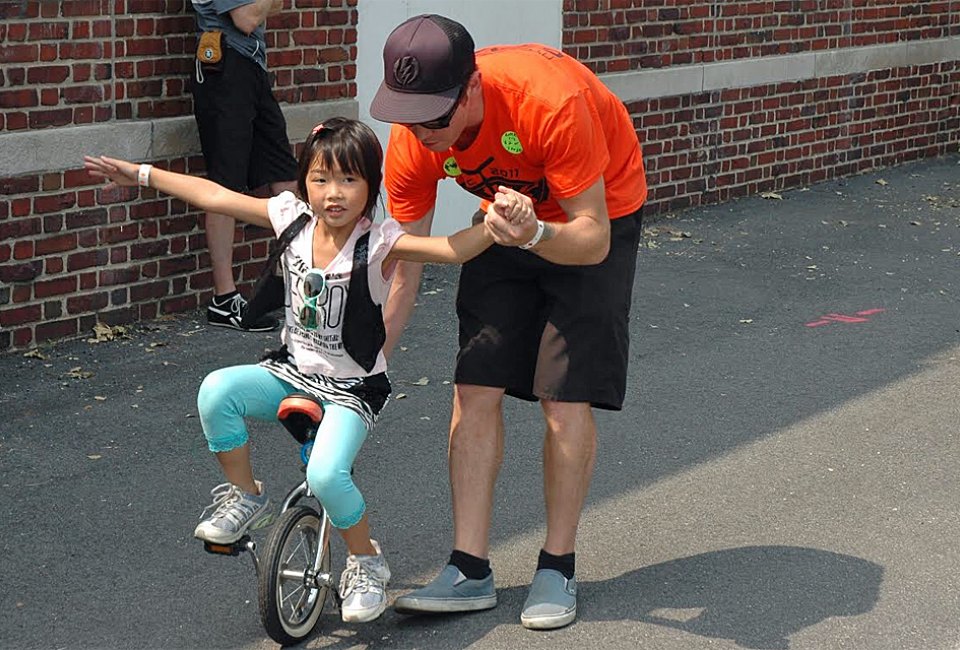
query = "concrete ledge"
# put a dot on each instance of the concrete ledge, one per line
(666, 82)
(862, 59)
(681, 80)
(746, 72)
(51, 150)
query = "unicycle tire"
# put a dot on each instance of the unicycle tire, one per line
(290, 602)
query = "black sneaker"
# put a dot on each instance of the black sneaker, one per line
(228, 311)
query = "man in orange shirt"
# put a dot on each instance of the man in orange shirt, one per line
(544, 314)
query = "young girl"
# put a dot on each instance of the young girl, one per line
(339, 185)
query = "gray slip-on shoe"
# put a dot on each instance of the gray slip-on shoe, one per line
(551, 603)
(451, 591)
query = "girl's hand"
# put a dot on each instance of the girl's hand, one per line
(510, 218)
(512, 205)
(118, 172)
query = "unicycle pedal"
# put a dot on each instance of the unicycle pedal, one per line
(233, 549)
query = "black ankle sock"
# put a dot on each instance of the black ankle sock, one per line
(565, 564)
(473, 567)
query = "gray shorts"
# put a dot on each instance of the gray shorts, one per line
(549, 331)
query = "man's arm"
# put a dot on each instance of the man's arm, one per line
(583, 239)
(250, 16)
(403, 292)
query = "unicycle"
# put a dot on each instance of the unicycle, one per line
(293, 571)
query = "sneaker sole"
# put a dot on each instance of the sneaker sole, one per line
(406, 605)
(364, 616)
(242, 329)
(551, 622)
(260, 521)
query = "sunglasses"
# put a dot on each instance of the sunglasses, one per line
(443, 121)
(314, 290)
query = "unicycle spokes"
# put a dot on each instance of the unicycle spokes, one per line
(295, 577)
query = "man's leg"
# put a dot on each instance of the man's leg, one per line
(220, 229)
(569, 450)
(476, 451)
(475, 456)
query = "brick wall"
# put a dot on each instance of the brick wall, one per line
(710, 146)
(71, 253)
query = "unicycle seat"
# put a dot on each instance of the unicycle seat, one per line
(300, 414)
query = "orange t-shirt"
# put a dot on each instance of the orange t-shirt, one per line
(550, 130)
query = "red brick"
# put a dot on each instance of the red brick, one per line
(19, 185)
(87, 259)
(113, 277)
(48, 74)
(48, 31)
(150, 291)
(19, 98)
(58, 287)
(19, 315)
(58, 244)
(177, 266)
(54, 203)
(87, 302)
(53, 330)
(26, 53)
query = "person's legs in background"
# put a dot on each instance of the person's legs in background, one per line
(245, 146)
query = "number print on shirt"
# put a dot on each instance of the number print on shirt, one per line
(477, 182)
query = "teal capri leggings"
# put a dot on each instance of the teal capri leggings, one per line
(229, 395)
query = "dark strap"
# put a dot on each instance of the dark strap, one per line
(363, 330)
(263, 302)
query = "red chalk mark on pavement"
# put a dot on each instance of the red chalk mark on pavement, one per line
(859, 317)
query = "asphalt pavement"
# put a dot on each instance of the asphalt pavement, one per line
(783, 475)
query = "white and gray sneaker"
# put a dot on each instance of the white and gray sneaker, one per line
(234, 513)
(363, 587)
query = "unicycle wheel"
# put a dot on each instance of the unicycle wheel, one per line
(294, 580)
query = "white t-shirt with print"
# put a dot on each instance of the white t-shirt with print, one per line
(321, 351)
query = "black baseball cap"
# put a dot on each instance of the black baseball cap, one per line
(426, 62)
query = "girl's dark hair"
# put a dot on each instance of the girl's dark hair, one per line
(350, 145)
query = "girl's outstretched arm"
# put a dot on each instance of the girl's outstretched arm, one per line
(455, 249)
(468, 243)
(198, 192)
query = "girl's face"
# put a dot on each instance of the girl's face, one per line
(336, 197)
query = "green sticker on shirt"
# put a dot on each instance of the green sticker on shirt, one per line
(451, 167)
(511, 142)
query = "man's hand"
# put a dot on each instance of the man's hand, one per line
(510, 218)
(275, 8)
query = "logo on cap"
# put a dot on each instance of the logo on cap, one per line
(406, 70)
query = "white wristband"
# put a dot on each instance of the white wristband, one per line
(536, 238)
(143, 176)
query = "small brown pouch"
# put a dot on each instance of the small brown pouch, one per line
(210, 48)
